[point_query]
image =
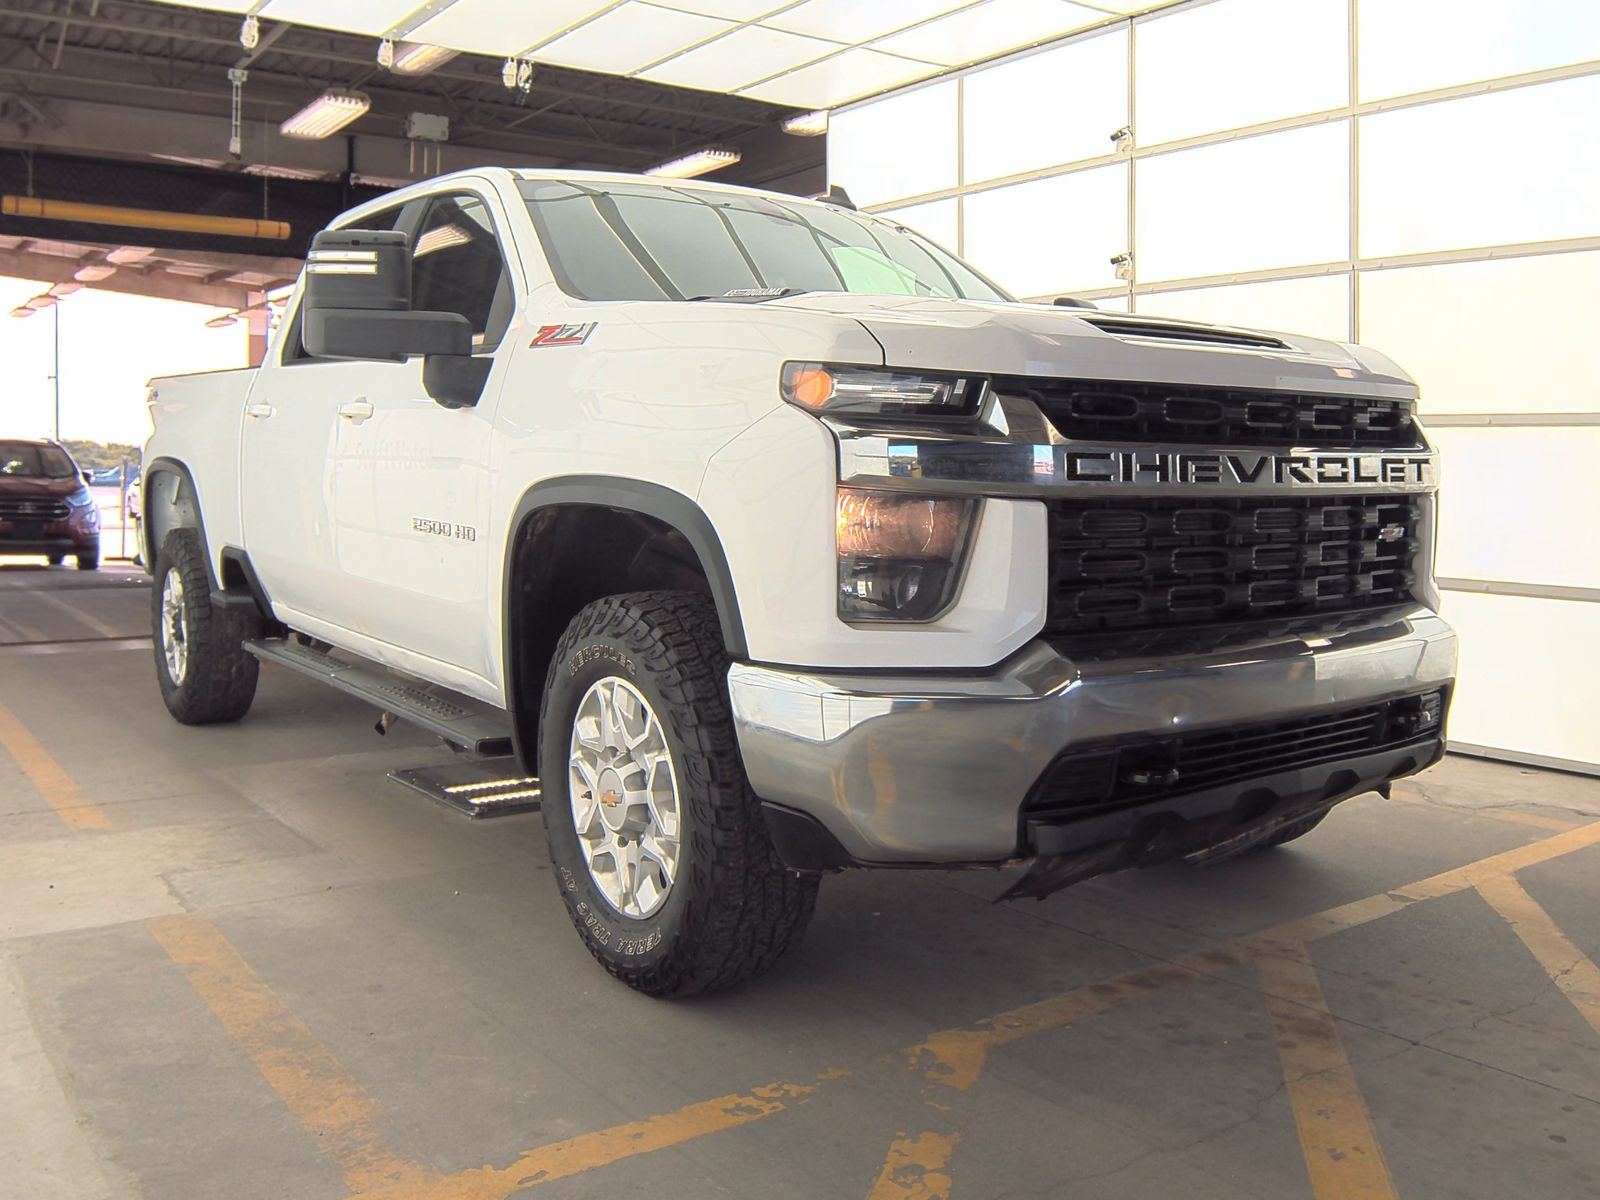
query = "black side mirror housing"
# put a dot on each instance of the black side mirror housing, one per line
(1073, 302)
(358, 306)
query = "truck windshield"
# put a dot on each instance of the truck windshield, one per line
(619, 241)
(26, 460)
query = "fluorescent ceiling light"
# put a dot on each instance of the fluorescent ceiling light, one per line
(274, 172)
(65, 289)
(694, 164)
(222, 322)
(811, 124)
(123, 255)
(327, 114)
(22, 310)
(94, 272)
(418, 58)
(44, 301)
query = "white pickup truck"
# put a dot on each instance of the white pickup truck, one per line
(777, 540)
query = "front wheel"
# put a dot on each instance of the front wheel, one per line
(206, 675)
(660, 847)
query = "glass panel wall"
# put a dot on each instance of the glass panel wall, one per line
(1445, 215)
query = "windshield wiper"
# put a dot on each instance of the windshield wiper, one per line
(752, 295)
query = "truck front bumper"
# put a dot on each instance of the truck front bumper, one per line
(911, 768)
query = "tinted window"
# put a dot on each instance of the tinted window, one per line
(456, 267)
(26, 460)
(626, 242)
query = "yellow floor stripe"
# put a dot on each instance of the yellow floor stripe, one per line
(918, 1168)
(300, 1069)
(559, 1160)
(1569, 968)
(48, 777)
(1340, 1146)
(314, 1085)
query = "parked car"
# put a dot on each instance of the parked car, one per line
(779, 541)
(45, 505)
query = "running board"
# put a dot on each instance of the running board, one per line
(473, 726)
(491, 787)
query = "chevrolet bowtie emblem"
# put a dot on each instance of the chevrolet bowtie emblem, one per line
(610, 799)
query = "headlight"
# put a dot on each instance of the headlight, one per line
(880, 392)
(899, 555)
(80, 498)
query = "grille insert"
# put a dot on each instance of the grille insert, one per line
(1086, 782)
(30, 508)
(1120, 566)
(1184, 414)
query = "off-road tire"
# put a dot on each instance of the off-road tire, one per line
(733, 909)
(88, 562)
(219, 681)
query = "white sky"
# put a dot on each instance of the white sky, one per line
(111, 344)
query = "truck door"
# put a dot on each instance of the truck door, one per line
(290, 472)
(410, 512)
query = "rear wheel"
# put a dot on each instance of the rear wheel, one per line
(660, 847)
(206, 676)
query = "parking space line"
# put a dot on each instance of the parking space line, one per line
(1340, 1146)
(48, 777)
(331, 1105)
(559, 1160)
(917, 1168)
(299, 1068)
(1569, 968)
(74, 613)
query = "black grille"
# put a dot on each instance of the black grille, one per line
(1119, 566)
(1086, 782)
(1181, 414)
(30, 508)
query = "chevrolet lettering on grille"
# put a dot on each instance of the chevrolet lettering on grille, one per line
(1159, 466)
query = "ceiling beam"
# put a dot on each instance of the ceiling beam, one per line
(53, 268)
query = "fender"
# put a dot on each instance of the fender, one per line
(653, 500)
(236, 565)
(174, 467)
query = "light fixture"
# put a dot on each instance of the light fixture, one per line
(22, 310)
(418, 58)
(327, 114)
(267, 171)
(123, 255)
(94, 272)
(219, 322)
(811, 124)
(43, 301)
(386, 54)
(250, 32)
(697, 163)
(61, 290)
(517, 74)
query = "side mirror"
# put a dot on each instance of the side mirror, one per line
(88, 476)
(358, 306)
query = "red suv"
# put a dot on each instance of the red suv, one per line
(45, 506)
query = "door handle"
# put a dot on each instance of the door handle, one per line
(356, 411)
(259, 411)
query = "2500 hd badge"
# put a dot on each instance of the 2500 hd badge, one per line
(444, 529)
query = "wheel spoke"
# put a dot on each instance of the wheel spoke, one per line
(618, 749)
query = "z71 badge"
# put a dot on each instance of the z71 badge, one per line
(563, 335)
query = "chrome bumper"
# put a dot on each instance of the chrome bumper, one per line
(912, 767)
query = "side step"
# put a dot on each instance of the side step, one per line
(458, 720)
(492, 787)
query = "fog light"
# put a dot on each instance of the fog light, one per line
(899, 555)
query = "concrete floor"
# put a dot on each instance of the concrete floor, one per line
(239, 962)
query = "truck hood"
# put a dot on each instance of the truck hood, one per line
(1051, 341)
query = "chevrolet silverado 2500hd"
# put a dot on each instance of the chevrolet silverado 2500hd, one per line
(778, 540)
